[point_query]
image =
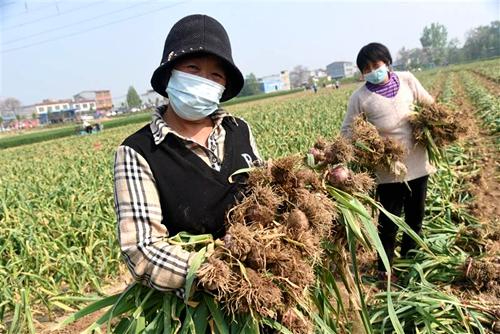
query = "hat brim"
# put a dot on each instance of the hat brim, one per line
(234, 78)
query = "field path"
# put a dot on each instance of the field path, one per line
(48, 327)
(487, 190)
(490, 84)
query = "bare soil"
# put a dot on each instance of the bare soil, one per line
(487, 82)
(44, 325)
(483, 288)
(487, 186)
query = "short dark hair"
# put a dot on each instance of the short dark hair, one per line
(371, 53)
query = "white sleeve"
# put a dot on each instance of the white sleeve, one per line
(419, 93)
(353, 110)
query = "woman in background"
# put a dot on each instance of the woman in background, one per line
(387, 99)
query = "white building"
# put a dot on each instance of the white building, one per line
(285, 79)
(27, 111)
(152, 99)
(319, 73)
(101, 98)
(84, 105)
(341, 69)
(275, 82)
(52, 111)
(51, 106)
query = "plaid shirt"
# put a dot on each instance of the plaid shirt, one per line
(141, 233)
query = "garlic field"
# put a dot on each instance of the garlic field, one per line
(58, 247)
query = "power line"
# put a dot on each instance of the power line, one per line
(6, 4)
(54, 15)
(93, 28)
(30, 10)
(73, 24)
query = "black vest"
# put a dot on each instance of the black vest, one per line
(194, 197)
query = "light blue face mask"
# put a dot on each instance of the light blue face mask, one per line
(193, 97)
(377, 76)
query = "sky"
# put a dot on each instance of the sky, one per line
(54, 49)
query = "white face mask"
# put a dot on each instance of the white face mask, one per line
(193, 97)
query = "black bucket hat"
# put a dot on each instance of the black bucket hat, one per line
(195, 34)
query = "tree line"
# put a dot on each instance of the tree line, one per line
(482, 42)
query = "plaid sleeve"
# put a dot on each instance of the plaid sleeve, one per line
(253, 145)
(150, 260)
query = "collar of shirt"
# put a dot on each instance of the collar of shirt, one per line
(160, 129)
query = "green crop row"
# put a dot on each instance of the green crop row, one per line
(487, 105)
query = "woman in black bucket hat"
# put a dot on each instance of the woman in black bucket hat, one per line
(172, 175)
(198, 34)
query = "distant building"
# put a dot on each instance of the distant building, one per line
(285, 79)
(398, 65)
(102, 98)
(12, 112)
(84, 105)
(53, 111)
(275, 82)
(7, 119)
(27, 112)
(61, 105)
(57, 111)
(50, 106)
(341, 69)
(319, 73)
(152, 99)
